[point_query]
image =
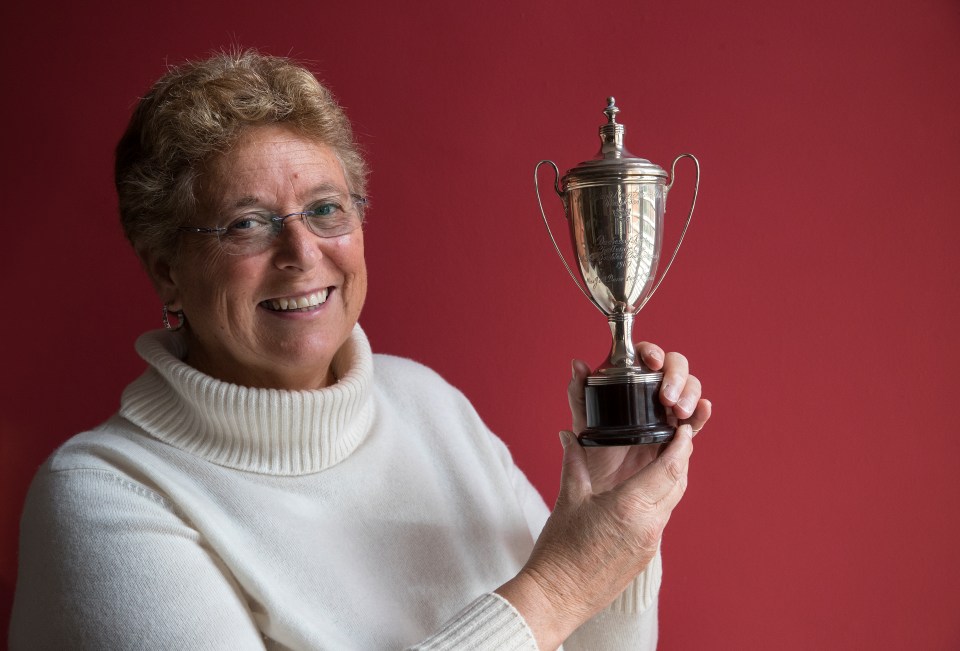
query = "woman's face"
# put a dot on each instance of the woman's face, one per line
(236, 331)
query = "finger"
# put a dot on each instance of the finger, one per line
(574, 475)
(580, 370)
(689, 398)
(638, 457)
(675, 373)
(578, 406)
(700, 415)
(665, 479)
(651, 354)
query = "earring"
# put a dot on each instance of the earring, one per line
(181, 319)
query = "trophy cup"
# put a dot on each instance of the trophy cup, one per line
(615, 205)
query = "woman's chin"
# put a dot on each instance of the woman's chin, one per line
(297, 361)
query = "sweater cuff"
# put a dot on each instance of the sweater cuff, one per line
(490, 623)
(642, 592)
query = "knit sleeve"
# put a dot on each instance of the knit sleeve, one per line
(490, 623)
(106, 563)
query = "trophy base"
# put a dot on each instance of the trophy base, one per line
(625, 411)
(592, 437)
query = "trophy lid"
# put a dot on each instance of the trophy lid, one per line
(613, 163)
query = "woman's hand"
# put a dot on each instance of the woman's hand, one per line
(613, 505)
(680, 394)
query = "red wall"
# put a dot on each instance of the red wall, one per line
(816, 295)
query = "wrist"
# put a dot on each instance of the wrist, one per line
(549, 604)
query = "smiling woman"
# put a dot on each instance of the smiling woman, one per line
(269, 482)
(267, 313)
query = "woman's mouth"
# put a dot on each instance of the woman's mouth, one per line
(296, 303)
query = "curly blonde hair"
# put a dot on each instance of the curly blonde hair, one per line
(197, 111)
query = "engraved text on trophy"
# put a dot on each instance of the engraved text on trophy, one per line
(616, 236)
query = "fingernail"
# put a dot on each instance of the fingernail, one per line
(656, 354)
(671, 393)
(566, 438)
(685, 405)
(573, 369)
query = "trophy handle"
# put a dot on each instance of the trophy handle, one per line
(693, 203)
(556, 187)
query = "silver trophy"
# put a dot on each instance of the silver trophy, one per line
(615, 205)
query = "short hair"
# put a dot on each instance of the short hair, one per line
(198, 110)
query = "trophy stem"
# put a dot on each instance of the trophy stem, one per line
(622, 352)
(622, 398)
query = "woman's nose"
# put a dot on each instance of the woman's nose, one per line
(297, 246)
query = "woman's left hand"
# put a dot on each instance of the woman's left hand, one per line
(609, 517)
(680, 394)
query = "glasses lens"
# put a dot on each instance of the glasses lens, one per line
(334, 216)
(251, 233)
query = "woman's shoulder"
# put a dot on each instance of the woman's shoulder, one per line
(113, 456)
(417, 398)
(408, 375)
(99, 448)
(105, 465)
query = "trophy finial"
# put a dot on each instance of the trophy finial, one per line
(611, 110)
(611, 133)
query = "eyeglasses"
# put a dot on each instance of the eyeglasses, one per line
(255, 232)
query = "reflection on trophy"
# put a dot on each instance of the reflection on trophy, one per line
(615, 204)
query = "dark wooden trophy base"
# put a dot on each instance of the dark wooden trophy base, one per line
(625, 413)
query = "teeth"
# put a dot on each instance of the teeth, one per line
(299, 303)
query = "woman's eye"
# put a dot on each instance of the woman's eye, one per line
(326, 209)
(247, 222)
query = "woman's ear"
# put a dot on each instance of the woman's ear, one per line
(162, 277)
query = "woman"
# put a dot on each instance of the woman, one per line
(269, 482)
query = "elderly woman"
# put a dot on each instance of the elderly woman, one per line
(269, 482)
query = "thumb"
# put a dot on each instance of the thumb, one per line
(575, 396)
(575, 483)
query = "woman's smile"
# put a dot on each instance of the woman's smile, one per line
(303, 303)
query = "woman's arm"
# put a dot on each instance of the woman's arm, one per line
(105, 563)
(613, 506)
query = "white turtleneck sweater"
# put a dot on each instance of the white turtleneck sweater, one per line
(378, 513)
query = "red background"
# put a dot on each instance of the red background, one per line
(816, 295)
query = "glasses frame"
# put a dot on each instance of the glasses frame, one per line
(281, 220)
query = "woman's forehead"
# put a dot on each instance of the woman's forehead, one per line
(273, 163)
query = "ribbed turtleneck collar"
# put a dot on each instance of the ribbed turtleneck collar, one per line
(268, 431)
